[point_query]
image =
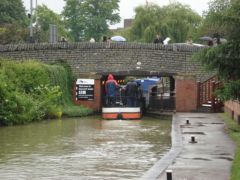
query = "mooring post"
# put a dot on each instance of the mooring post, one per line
(193, 140)
(169, 174)
(187, 121)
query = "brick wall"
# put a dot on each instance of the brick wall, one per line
(96, 103)
(186, 94)
(233, 109)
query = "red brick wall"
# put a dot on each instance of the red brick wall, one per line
(96, 103)
(233, 109)
(186, 95)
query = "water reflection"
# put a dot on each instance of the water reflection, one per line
(87, 148)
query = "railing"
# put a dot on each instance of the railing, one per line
(123, 101)
(166, 103)
(206, 94)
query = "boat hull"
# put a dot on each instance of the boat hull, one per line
(121, 113)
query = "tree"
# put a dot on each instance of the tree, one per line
(12, 11)
(225, 58)
(90, 18)
(176, 21)
(13, 22)
(211, 23)
(44, 18)
(13, 33)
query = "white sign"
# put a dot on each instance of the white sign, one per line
(85, 81)
(85, 89)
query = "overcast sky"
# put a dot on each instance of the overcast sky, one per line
(126, 6)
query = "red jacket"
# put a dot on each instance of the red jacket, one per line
(111, 80)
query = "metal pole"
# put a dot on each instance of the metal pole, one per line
(31, 21)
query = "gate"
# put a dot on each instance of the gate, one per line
(164, 103)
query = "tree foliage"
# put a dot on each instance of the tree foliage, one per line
(13, 33)
(26, 93)
(90, 18)
(44, 18)
(176, 21)
(13, 22)
(225, 58)
(12, 11)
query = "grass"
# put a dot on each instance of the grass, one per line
(76, 111)
(61, 75)
(233, 129)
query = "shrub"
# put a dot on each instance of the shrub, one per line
(31, 91)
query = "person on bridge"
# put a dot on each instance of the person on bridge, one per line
(111, 88)
(158, 39)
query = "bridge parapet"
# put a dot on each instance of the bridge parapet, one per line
(99, 45)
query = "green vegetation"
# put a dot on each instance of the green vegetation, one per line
(12, 12)
(90, 18)
(31, 91)
(44, 18)
(234, 131)
(153, 19)
(224, 58)
(13, 22)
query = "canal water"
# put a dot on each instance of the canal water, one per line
(83, 148)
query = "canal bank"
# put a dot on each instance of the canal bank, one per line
(209, 157)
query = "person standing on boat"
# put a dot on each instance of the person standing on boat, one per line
(131, 92)
(111, 88)
(141, 101)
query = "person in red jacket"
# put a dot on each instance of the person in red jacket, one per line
(111, 88)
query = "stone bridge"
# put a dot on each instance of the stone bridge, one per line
(118, 58)
(96, 60)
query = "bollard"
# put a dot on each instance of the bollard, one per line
(169, 174)
(193, 139)
(187, 121)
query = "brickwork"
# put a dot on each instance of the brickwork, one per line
(233, 109)
(186, 94)
(96, 103)
(118, 58)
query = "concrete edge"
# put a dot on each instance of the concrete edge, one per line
(177, 144)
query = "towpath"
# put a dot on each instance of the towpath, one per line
(209, 158)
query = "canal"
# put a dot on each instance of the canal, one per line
(83, 148)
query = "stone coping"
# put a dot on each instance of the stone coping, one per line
(177, 145)
(182, 47)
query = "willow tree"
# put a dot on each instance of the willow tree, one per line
(225, 58)
(176, 21)
(90, 18)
